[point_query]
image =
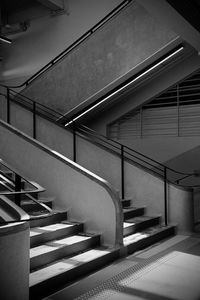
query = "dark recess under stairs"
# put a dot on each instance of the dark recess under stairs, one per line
(61, 252)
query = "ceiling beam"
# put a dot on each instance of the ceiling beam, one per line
(53, 4)
(169, 16)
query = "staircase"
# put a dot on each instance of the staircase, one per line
(140, 230)
(61, 252)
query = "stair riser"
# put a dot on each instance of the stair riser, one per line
(52, 219)
(126, 203)
(34, 207)
(134, 213)
(46, 258)
(49, 286)
(140, 226)
(150, 240)
(49, 236)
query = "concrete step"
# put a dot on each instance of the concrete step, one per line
(45, 281)
(145, 238)
(59, 248)
(135, 224)
(43, 218)
(130, 212)
(43, 234)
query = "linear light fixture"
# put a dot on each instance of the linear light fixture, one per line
(129, 83)
(5, 39)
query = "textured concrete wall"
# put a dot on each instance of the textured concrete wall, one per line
(115, 49)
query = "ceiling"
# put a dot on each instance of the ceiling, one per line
(189, 9)
(13, 5)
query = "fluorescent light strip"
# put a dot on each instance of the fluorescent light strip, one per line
(126, 85)
(5, 40)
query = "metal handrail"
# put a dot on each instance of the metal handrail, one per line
(83, 37)
(122, 150)
(16, 185)
(99, 136)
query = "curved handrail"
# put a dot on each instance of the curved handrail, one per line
(88, 33)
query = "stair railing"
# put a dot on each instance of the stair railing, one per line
(13, 185)
(81, 39)
(124, 152)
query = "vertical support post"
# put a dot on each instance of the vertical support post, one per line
(74, 142)
(8, 106)
(178, 111)
(165, 196)
(34, 119)
(141, 122)
(17, 189)
(122, 172)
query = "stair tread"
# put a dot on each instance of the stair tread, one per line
(57, 244)
(49, 228)
(131, 208)
(66, 264)
(144, 233)
(136, 220)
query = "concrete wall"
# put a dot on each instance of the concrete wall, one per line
(144, 188)
(14, 261)
(47, 36)
(188, 161)
(87, 197)
(110, 53)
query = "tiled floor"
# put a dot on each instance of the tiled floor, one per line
(169, 270)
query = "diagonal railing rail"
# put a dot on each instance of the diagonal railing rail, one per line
(13, 186)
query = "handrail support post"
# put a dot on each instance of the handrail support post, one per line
(17, 189)
(122, 172)
(74, 142)
(34, 119)
(8, 105)
(165, 197)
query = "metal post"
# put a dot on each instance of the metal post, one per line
(165, 196)
(17, 189)
(74, 142)
(122, 171)
(141, 122)
(34, 119)
(8, 106)
(178, 112)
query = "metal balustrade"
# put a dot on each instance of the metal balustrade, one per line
(123, 152)
(13, 186)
